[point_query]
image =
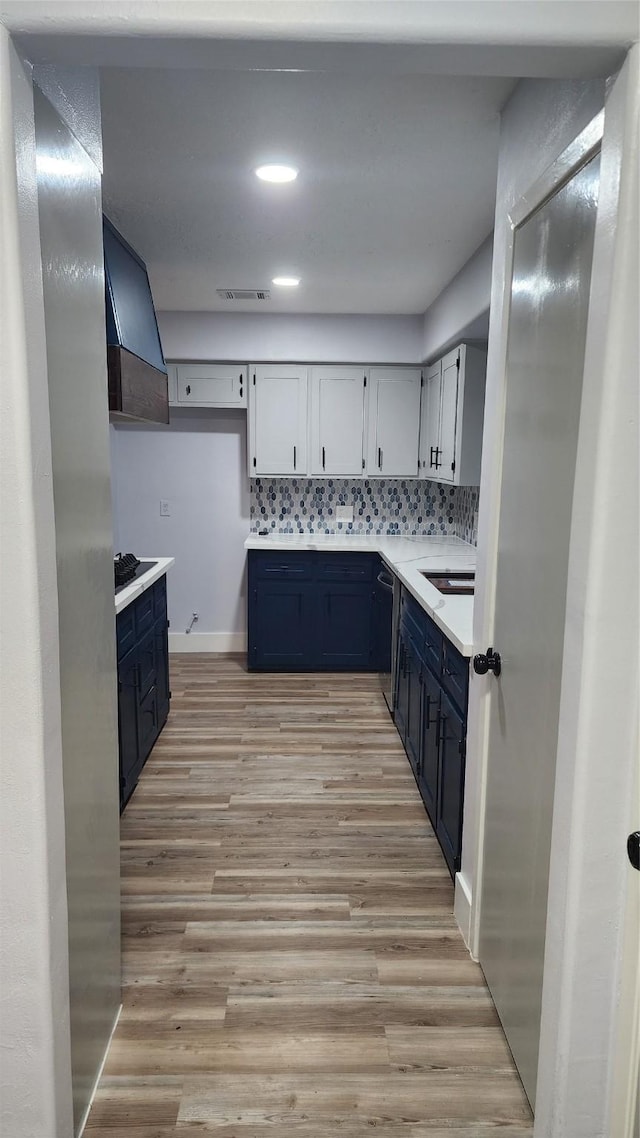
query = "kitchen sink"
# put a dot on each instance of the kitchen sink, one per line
(460, 583)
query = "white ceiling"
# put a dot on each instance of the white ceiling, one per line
(396, 187)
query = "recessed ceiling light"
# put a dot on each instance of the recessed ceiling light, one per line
(277, 173)
(286, 282)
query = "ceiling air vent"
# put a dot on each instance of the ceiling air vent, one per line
(244, 293)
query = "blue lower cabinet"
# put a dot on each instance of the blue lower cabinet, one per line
(451, 782)
(316, 612)
(345, 629)
(143, 683)
(429, 749)
(431, 716)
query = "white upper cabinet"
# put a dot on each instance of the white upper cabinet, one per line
(278, 420)
(450, 385)
(393, 422)
(337, 421)
(430, 419)
(211, 385)
(452, 418)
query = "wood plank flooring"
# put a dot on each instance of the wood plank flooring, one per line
(292, 968)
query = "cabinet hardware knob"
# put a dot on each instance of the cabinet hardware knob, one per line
(633, 849)
(491, 662)
(188, 389)
(323, 458)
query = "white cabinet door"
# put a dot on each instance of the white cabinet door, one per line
(337, 420)
(446, 459)
(212, 385)
(452, 417)
(278, 420)
(393, 422)
(430, 420)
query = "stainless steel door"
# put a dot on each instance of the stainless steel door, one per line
(549, 303)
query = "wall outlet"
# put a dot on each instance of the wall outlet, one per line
(165, 511)
(344, 513)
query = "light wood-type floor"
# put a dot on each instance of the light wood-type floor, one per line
(292, 968)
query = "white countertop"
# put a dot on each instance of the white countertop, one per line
(407, 557)
(141, 583)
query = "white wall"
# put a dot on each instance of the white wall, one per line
(258, 337)
(35, 1059)
(199, 466)
(456, 314)
(70, 214)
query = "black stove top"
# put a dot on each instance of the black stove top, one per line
(127, 568)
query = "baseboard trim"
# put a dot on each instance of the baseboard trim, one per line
(208, 642)
(87, 1112)
(462, 907)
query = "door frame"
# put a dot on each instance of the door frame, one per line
(577, 1085)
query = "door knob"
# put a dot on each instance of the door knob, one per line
(489, 663)
(633, 849)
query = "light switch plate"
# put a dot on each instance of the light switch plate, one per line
(165, 509)
(344, 513)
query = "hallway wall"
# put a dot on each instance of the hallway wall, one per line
(35, 1060)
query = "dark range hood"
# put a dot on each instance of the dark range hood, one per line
(138, 387)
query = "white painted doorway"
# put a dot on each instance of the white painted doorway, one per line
(551, 255)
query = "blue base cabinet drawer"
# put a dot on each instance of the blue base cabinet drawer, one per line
(432, 684)
(317, 612)
(143, 681)
(345, 567)
(283, 567)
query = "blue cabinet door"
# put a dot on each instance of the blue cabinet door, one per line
(128, 723)
(162, 670)
(143, 681)
(148, 724)
(281, 626)
(344, 628)
(401, 701)
(428, 771)
(413, 740)
(450, 782)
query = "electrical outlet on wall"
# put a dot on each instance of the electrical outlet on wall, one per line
(165, 510)
(344, 513)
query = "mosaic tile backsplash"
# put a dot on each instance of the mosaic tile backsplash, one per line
(388, 506)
